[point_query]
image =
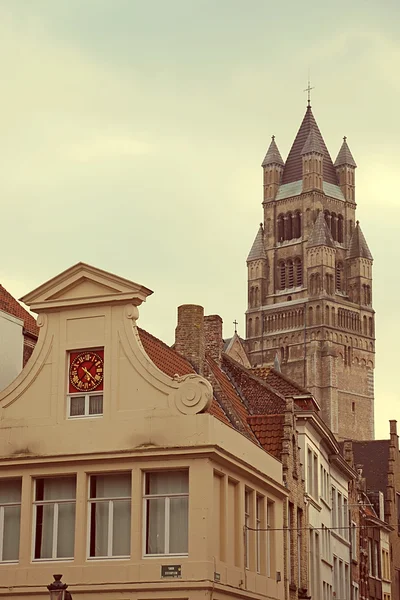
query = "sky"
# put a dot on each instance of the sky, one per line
(132, 133)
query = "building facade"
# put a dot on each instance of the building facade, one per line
(120, 469)
(310, 281)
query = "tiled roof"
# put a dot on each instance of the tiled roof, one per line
(259, 396)
(11, 306)
(320, 235)
(345, 157)
(273, 156)
(278, 381)
(295, 188)
(227, 395)
(293, 170)
(313, 143)
(172, 363)
(257, 250)
(358, 245)
(373, 455)
(269, 432)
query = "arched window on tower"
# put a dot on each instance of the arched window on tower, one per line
(250, 328)
(297, 224)
(334, 226)
(290, 271)
(281, 228)
(340, 229)
(288, 226)
(282, 275)
(299, 272)
(339, 276)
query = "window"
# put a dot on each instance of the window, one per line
(247, 524)
(354, 541)
(259, 526)
(10, 516)
(270, 542)
(85, 387)
(299, 544)
(110, 515)
(166, 508)
(54, 518)
(85, 406)
(299, 272)
(385, 565)
(334, 508)
(339, 277)
(290, 542)
(282, 276)
(312, 473)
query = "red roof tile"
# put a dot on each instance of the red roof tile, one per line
(11, 306)
(269, 432)
(230, 400)
(258, 394)
(293, 170)
(172, 363)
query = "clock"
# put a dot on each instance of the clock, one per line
(86, 371)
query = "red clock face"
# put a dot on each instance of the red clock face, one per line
(86, 371)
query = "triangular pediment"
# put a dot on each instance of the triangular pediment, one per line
(84, 285)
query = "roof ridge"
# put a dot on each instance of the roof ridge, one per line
(255, 378)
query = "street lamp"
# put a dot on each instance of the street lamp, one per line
(58, 589)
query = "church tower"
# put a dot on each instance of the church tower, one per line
(310, 281)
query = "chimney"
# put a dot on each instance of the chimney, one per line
(213, 337)
(189, 335)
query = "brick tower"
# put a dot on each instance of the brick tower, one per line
(310, 281)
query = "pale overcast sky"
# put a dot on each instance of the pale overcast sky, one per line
(132, 135)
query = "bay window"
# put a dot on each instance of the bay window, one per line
(54, 518)
(166, 498)
(110, 516)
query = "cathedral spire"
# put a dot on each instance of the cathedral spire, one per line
(344, 156)
(293, 170)
(257, 251)
(345, 166)
(358, 245)
(273, 156)
(320, 235)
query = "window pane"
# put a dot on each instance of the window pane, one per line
(155, 543)
(111, 486)
(44, 531)
(99, 529)
(62, 488)
(178, 526)
(10, 490)
(121, 528)
(66, 530)
(12, 516)
(77, 406)
(96, 405)
(167, 482)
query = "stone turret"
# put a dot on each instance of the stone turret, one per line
(345, 169)
(273, 168)
(313, 157)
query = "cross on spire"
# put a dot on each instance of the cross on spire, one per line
(308, 89)
(235, 324)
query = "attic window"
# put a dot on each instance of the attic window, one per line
(85, 383)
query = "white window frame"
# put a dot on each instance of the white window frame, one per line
(247, 509)
(110, 500)
(167, 498)
(3, 506)
(55, 502)
(270, 516)
(354, 549)
(259, 523)
(86, 414)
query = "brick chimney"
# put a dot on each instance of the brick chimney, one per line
(189, 335)
(213, 337)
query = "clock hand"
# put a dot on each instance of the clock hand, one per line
(88, 373)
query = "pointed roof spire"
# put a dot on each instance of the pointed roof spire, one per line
(273, 156)
(321, 235)
(257, 250)
(358, 245)
(345, 157)
(313, 143)
(293, 170)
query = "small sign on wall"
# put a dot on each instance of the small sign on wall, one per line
(171, 571)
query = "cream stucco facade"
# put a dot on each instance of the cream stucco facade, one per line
(59, 511)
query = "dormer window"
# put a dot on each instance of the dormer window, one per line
(85, 384)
